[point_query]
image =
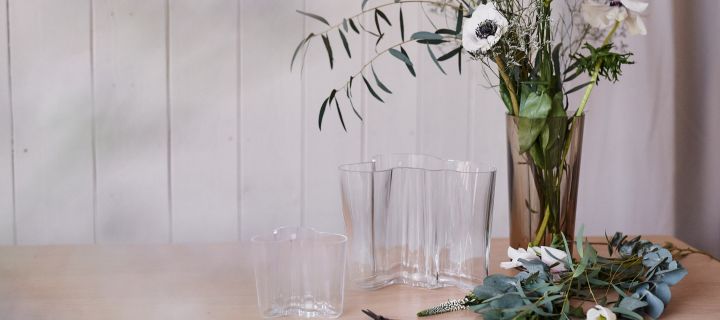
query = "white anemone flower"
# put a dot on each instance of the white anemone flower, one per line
(604, 13)
(551, 256)
(516, 255)
(484, 28)
(599, 312)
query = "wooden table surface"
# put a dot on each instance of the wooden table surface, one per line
(215, 281)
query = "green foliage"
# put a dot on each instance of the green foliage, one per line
(610, 62)
(641, 275)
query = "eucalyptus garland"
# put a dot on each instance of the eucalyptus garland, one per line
(632, 282)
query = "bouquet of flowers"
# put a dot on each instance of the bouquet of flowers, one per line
(535, 58)
(534, 52)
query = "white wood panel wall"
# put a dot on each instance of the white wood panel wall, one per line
(145, 121)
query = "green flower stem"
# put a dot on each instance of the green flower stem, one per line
(541, 230)
(509, 85)
(595, 74)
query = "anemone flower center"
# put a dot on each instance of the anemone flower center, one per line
(486, 29)
(616, 3)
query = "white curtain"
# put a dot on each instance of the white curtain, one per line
(697, 122)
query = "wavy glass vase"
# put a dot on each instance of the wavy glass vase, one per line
(548, 189)
(417, 220)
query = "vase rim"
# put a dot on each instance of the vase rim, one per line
(456, 166)
(582, 116)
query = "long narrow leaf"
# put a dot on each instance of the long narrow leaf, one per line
(322, 113)
(450, 54)
(372, 92)
(297, 50)
(434, 59)
(342, 121)
(424, 35)
(402, 26)
(314, 16)
(578, 87)
(409, 66)
(383, 16)
(459, 22)
(345, 25)
(459, 62)
(378, 82)
(349, 96)
(345, 43)
(328, 48)
(435, 42)
(400, 55)
(353, 26)
(446, 31)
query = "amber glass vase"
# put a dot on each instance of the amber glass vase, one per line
(543, 182)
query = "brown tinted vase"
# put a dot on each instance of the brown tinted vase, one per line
(543, 184)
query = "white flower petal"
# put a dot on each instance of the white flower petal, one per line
(616, 14)
(595, 14)
(599, 312)
(634, 5)
(551, 256)
(635, 25)
(510, 264)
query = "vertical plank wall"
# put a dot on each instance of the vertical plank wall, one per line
(203, 52)
(153, 121)
(132, 121)
(52, 115)
(270, 124)
(7, 219)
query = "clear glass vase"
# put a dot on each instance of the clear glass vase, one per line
(543, 183)
(299, 272)
(417, 220)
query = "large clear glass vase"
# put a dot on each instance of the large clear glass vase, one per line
(417, 220)
(543, 183)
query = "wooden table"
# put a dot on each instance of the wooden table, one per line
(216, 282)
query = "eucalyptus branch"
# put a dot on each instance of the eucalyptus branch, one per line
(372, 9)
(378, 55)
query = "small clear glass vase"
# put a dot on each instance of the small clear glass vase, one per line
(300, 272)
(417, 220)
(543, 184)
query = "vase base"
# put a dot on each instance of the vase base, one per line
(420, 280)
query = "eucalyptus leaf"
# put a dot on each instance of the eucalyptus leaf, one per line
(435, 60)
(627, 313)
(459, 21)
(424, 35)
(450, 54)
(345, 43)
(337, 106)
(655, 306)
(314, 16)
(402, 26)
(322, 113)
(328, 48)
(297, 50)
(378, 82)
(632, 303)
(400, 55)
(370, 89)
(353, 26)
(662, 291)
